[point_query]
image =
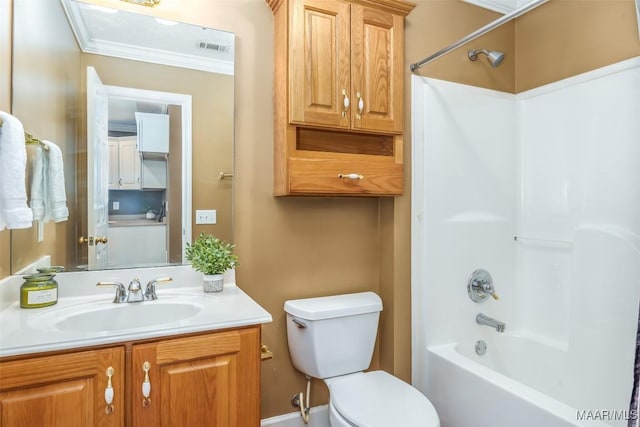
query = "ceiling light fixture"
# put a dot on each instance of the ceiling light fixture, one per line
(150, 3)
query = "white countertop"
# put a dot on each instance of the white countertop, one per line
(28, 331)
(133, 221)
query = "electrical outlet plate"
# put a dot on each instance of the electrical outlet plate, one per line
(205, 216)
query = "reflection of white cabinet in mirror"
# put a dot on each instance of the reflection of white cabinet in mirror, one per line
(124, 164)
(153, 132)
(138, 245)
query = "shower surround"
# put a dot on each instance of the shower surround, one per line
(542, 189)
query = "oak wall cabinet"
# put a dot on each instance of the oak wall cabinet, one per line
(211, 378)
(338, 96)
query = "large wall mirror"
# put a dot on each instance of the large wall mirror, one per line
(142, 111)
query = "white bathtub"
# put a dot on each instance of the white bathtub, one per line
(511, 385)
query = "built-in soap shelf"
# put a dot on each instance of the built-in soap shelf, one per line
(543, 242)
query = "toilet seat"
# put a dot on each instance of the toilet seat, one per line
(378, 399)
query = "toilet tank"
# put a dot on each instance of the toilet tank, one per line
(333, 335)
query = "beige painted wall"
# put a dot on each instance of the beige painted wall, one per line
(300, 247)
(563, 38)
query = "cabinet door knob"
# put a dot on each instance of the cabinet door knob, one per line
(108, 392)
(102, 240)
(146, 385)
(345, 103)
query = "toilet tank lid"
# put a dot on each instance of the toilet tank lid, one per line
(334, 306)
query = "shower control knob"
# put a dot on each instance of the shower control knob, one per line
(480, 286)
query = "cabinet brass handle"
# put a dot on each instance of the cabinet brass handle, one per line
(345, 103)
(102, 240)
(146, 385)
(108, 392)
(360, 106)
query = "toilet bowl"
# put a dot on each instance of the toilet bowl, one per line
(377, 398)
(332, 338)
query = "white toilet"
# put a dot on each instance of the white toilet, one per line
(332, 338)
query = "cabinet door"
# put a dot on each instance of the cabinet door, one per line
(153, 174)
(137, 246)
(214, 377)
(319, 55)
(114, 171)
(63, 391)
(376, 62)
(129, 164)
(153, 132)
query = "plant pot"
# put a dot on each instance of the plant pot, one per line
(212, 282)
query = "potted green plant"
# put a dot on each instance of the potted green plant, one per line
(212, 257)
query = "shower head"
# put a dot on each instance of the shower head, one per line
(494, 57)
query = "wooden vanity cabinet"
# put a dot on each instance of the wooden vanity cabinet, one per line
(63, 390)
(208, 379)
(339, 87)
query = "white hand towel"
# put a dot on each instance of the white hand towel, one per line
(14, 212)
(37, 196)
(54, 192)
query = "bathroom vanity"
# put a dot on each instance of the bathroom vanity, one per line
(183, 358)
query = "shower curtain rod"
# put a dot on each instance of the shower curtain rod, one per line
(503, 19)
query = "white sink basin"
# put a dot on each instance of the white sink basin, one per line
(101, 316)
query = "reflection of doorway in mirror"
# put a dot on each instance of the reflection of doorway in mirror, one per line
(149, 189)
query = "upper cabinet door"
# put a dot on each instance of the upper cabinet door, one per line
(153, 132)
(376, 63)
(319, 63)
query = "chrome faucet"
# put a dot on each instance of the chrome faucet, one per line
(482, 319)
(134, 292)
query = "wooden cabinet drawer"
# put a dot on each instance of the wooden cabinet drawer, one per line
(318, 176)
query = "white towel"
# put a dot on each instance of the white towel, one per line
(48, 196)
(37, 197)
(14, 212)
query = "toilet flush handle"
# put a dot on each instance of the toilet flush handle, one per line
(299, 323)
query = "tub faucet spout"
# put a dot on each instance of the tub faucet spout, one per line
(482, 319)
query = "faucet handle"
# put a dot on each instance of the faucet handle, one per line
(480, 286)
(150, 289)
(121, 292)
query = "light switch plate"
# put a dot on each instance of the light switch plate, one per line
(116, 205)
(205, 216)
